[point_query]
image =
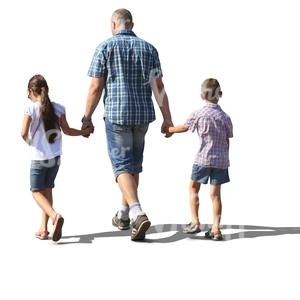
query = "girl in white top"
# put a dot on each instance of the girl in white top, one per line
(41, 130)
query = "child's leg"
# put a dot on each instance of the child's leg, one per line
(45, 218)
(43, 174)
(44, 200)
(48, 195)
(194, 201)
(215, 194)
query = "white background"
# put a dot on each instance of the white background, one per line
(252, 48)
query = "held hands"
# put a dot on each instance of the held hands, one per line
(88, 129)
(165, 128)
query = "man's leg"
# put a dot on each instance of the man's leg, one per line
(122, 146)
(140, 221)
(124, 210)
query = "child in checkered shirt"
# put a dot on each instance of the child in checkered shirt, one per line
(211, 163)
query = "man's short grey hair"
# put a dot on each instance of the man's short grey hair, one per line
(122, 17)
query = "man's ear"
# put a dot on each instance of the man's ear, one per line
(220, 94)
(132, 24)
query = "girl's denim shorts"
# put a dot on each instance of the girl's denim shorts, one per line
(43, 173)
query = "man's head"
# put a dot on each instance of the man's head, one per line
(121, 19)
(211, 90)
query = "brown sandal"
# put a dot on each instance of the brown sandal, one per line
(58, 223)
(215, 236)
(192, 228)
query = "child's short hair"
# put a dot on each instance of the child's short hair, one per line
(211, 89)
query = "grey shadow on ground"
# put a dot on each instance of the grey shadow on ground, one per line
(176, 233)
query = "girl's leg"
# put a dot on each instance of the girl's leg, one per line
(48, 195)
(43, 173)
(44, 200)
(215, 194)
(194, 201)
(57, 221)
(45, 217)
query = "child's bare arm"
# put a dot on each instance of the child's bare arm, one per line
(177, 129)
(72, 131)
(25, 129)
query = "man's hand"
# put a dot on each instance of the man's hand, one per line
(165, 128)
(85, 126)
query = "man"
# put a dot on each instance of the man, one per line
(128, 70)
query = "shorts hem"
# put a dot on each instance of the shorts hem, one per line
(125, 172)
(40, 189)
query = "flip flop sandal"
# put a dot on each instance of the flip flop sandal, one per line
(215, 236)
(192, 229)
(58, 223)
(42, 235)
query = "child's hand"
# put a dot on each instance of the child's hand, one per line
(168, 134)
(88, 129)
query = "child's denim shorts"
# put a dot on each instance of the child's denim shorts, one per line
(216, 176)
(43, 173)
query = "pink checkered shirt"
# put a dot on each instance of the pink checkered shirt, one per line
(213, 126)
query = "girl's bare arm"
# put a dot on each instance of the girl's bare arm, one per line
(72, 131)
(25, 128)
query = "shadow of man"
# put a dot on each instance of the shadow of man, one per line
(176, 233)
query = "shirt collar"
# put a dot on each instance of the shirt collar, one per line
(125, 32)
(212, 105)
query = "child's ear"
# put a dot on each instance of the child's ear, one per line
(202, 97)
(220, 94)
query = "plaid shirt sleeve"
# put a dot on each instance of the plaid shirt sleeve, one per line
(190, 122)
(98, 65)
(229, 127)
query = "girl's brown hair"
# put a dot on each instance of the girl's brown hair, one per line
(39, 86)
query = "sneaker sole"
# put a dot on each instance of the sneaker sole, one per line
(116, 225)
(140, 233)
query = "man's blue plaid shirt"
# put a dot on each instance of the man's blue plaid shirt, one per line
(128, 64)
